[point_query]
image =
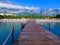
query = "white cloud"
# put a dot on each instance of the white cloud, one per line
(17, 6)
(31, 8)
(10, 5)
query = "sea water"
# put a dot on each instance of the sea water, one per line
(53, 27)
(5, 29)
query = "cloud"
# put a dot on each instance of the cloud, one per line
(7, 5)
(10, 5)
(31, 8)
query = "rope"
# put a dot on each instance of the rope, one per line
(7, 37)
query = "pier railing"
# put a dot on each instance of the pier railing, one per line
(48, 23)
(11, 33)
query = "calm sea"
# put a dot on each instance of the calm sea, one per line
(53, 27)
(5, 29)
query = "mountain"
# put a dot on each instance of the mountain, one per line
(50, 12)
(11, 8)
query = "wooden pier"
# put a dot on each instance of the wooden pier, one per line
(34, 34)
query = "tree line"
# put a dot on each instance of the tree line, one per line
(19, 16)
(27, 16)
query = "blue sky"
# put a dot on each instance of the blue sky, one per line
(42, 4)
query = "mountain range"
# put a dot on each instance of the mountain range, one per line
(10, 8)
(50, 12)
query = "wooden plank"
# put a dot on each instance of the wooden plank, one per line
(34, 34)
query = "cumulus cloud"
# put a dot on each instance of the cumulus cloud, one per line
(7, 5)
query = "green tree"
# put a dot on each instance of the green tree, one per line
(1, 17)
(58, 16)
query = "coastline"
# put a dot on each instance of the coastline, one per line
(13, 20)
(25, 20)
(47, 20)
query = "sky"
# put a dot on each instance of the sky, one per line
(30, 4)
(39, 3)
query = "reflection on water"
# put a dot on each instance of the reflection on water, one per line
(5, 29)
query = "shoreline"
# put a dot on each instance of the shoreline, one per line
(47, 20)
(13, 20)
(25, 20)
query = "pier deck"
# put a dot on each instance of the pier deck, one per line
(34, 34)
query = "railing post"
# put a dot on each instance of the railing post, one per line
(41, 24)
(22, 26)
(12, 34)
(49, 26)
